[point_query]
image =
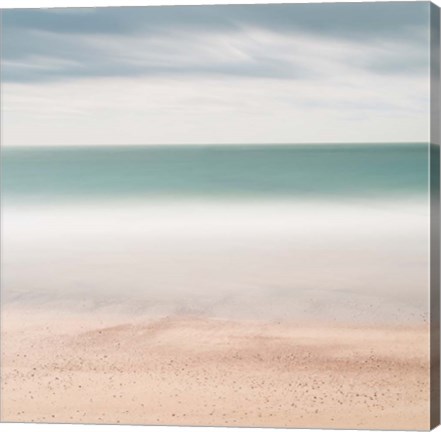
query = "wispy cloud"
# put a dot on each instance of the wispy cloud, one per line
(210, 39)
(261, 73)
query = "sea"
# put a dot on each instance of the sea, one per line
(317, 232)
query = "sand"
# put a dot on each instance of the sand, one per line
(186, 370)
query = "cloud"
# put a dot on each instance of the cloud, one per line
(344, 107)
(216, 74)
(204, 39)
(356, 19)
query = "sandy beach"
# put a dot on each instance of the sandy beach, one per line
(190, 370)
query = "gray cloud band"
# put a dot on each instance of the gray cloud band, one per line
(57, 44)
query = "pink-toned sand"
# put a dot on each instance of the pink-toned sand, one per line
(197, 371)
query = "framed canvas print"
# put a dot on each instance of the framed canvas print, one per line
(221, 215)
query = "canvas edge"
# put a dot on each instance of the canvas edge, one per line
(1, 208)
(434, 184)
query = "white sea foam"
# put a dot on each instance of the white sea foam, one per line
(347, 260)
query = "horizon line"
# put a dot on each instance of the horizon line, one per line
(280, 144)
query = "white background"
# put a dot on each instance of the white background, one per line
(17, 427)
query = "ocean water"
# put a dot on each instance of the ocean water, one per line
(233, 171)
(295, 232)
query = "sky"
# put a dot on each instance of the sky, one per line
(236, 74)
